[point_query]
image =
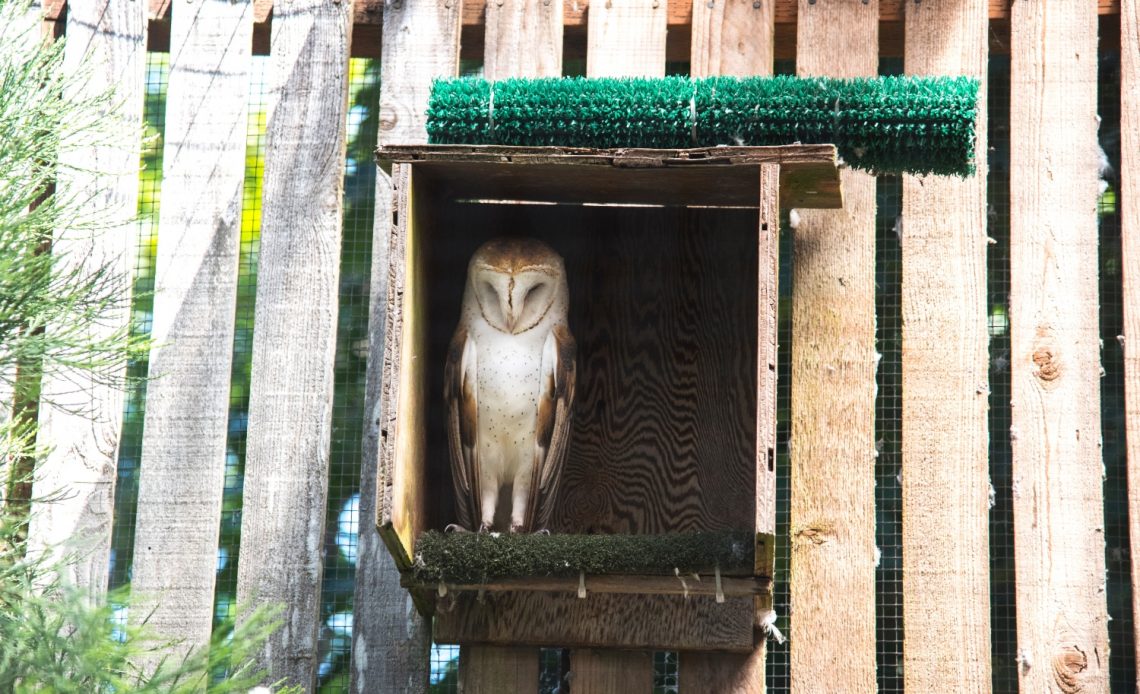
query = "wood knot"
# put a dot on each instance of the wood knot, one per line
(1048, 366)
(814, 535)
(1067, 667)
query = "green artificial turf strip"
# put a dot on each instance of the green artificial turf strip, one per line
(881, 124)
(471, 558)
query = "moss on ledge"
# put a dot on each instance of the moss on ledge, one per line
(472, 558)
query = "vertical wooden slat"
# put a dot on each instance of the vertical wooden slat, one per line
(294, 334)
(497, 669)
(1058, 472)
(595, 671)
(81, 413)
(833, 393)
(523, 39)
(390, 639)
(1130, 254)
(736, 37)
(626, 38)
(945, 442)
(732, 37)
(421, 42)
(184, 439)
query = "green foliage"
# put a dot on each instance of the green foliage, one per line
(51, 306)
(466, 558)
(53, 639)
(56, 636)
(883, 125)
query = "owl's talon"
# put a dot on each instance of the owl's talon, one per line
(455, 528)
(542, 531)
(484, 528)
(516, 527)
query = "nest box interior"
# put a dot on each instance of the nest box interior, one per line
(670, 259)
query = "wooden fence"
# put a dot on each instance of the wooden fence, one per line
(1062, 617)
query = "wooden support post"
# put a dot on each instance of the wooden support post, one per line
(733, 37)
(626, 38)
(391, 639)
(524, 39)
(498, 669)
(594, 671)
(294, 336)
(833, 393)
(81, 413)
(737, 37)
(187, 407)
(945, 442)
(1062, 635)
(1130, 253)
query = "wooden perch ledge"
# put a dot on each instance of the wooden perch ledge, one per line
(674, 563)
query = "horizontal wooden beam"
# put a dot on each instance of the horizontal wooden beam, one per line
(685, 585)
(575, 13)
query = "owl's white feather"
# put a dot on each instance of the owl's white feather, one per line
(509, 385)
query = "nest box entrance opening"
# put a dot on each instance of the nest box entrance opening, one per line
(670, 260)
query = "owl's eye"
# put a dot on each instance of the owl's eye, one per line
(533, 291)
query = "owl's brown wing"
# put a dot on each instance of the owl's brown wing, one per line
(460, 394)
(552, 436)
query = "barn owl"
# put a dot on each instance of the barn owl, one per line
(509, 385)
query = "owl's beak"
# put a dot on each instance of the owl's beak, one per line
(510, 316)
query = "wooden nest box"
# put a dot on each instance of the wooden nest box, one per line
(671, 257)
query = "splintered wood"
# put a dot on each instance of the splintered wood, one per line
(1058, 508)
(184, 442)
(833, 390)
(945, 446)
(81, 412)
(294, 336)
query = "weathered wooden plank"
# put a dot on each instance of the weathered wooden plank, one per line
(737, 37)
(945, 441)
(497, 669)
(421, 42)
(833, 388)
(596, 621)
(808, 177)
(732, 37)
(294, 335)
(391, 639)
(739, 673)
(595, 671)
(1130, 254)
(184, 443)
(81, 412)
(1055, 366)
(524, 39)
(626, 38)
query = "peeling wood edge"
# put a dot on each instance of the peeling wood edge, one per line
(699, 156)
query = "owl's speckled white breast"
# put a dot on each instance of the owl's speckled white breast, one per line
(509, 368)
